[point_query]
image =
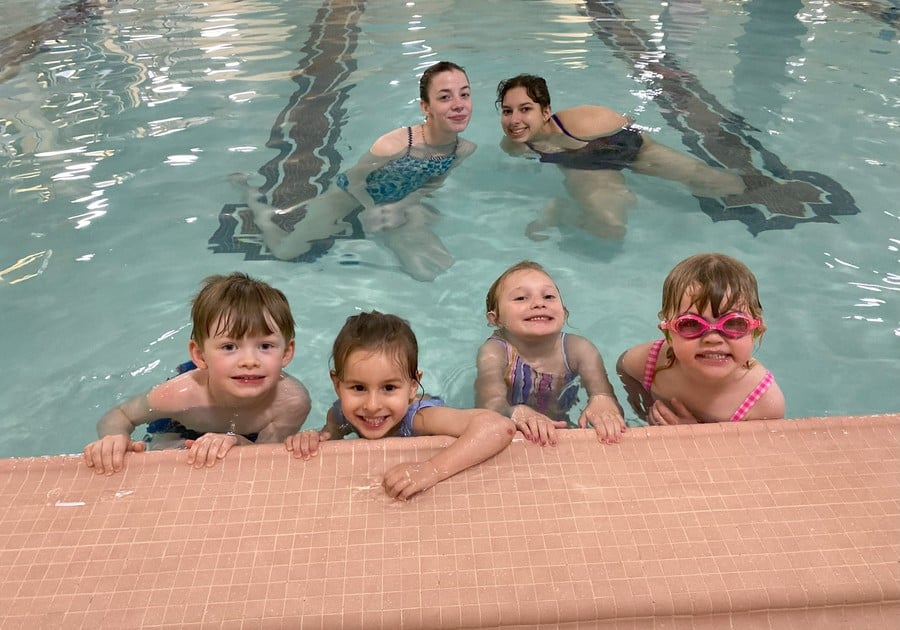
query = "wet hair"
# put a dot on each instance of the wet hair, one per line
(238, 305)
(431, 72)
(535, 87)
(492, 301)
(377, 332)
(718, 281)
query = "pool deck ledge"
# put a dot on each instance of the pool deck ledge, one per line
(782, 524)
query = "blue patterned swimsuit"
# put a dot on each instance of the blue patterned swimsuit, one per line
(398, 178)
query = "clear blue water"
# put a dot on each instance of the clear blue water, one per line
(118, 132)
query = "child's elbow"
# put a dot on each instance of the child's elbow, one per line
(495, 426)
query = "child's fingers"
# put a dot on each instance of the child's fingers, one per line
(548, 434)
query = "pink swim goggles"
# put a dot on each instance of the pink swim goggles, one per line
(731, 325)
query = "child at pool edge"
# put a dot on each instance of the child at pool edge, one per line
(242, 337)
(529, 369)
(376, 379)
(711, 315)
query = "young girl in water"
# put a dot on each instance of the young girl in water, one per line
(387, 186)
(703, 369)
(591, 145)
(376, 379)
(529, 370)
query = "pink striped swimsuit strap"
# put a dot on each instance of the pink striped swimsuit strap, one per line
(752, 397)
(650, 366)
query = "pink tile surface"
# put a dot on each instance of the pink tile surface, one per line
(771, 524)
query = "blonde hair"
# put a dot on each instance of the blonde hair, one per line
(238, 305)
(718, 281)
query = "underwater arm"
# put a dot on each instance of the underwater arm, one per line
(629, 366)
(357, 174)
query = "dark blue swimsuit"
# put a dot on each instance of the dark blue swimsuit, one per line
(613, 152)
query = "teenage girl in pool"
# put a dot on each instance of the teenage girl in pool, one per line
(591, 145)
(388, 184)
(703, 370)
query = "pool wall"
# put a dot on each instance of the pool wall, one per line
(776, 524)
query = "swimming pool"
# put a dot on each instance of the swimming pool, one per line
(119, 127)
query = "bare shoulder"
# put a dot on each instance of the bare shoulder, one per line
(465, 148)
(579, 349)
(592, 121)
(514, 148)
(771, 404)
(492, 351)
(185, 391)
(391, 143)
(294, 391)
(633, 360)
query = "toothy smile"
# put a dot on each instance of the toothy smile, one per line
(713, 356)
(374, 422)
(248, 378)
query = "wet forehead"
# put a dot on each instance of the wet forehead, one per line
(517, 97)
(450, 81)
(527, 279)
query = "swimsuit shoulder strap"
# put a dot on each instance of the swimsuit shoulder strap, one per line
(650, 366)
(565, 354)
(409, 139)
(564, 130)
(764, 384)
(506, 346)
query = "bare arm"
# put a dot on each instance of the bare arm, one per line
(490, 384)
(107, 454)
(480, 434)
(123, 419)
(357, 174)
(291, 417)
(630, 368)
(592, 121)
(515, 149)
(603, 411)
(770, 407)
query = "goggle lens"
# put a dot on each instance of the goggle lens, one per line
(732, 325)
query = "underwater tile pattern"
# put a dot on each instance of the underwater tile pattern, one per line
(779, 524)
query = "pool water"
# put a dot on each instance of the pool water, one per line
(120, 125)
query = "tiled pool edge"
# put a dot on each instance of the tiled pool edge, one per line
(776, 524)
